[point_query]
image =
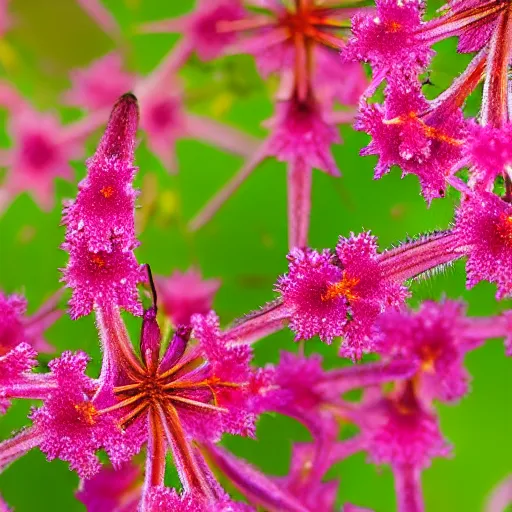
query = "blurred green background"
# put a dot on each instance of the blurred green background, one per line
(245, 246)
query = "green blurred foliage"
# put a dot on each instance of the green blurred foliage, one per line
(245, 245)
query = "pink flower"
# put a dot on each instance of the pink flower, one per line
(105, 279)
(163, 499)
(41, 151)
(436, 339)
(298, 40)
(489, 150)
(68, 425)
(400, 431)
(111, 489)
(15, 366)
(184, 294)
(100, 235)
(333, 298)
(16, 326)
(201, 28)
(91, 89)
(386, 38)
(163, 120)
(302, 133)
(484, 227)
(405, 133)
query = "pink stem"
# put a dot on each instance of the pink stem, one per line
(412, 259)
(495, 96)
(299, 203)
(501, 497)
(452, 23)
(461, 87)
(175, 25)
(18, 446)
(97, 11)
(257, 325)
(80, 130)
(363, 375)
(408, 489)
(253, 484)
(228, 190)
(221, 136)
(115, 342)
(32, 387)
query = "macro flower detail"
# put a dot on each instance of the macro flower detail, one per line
(436, 339)
(112, 489)
(90, 90)
(42, 149)
(386, 39)
(484, 226)
(17, 327)
(100, 236)
(351, 361)
(184, 294)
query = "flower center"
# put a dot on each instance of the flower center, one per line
(428, 355)
(87, 412)
(98, 260)
(504, 228)
(107, 191)
(343, 288)
(38, 152)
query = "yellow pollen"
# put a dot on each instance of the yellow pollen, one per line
(87, 412)
(107, 192)
(343, 288)
(429, 131)
(98, 260)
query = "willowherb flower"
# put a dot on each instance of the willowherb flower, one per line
(435, 339)
(41, 151)
(385, 38)
(92, 91)
(67, 427)
(17, 327)
(343, 294)
(112, 489)
(484, 226)
(301, 134)
(299, 41)
(296, 40)
(407, 132)
(401, 431)
(489, 152)
(200, 29)
(184, 294)
(100, 235)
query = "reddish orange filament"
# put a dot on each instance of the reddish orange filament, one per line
(429, 131)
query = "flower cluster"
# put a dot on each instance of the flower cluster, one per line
(188, 380)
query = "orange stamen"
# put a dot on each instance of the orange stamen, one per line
(98, 260)
(107, 192)
(87, 412)
(343, 288)
(504, 228)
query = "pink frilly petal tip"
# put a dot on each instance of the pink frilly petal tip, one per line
(484, 227)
